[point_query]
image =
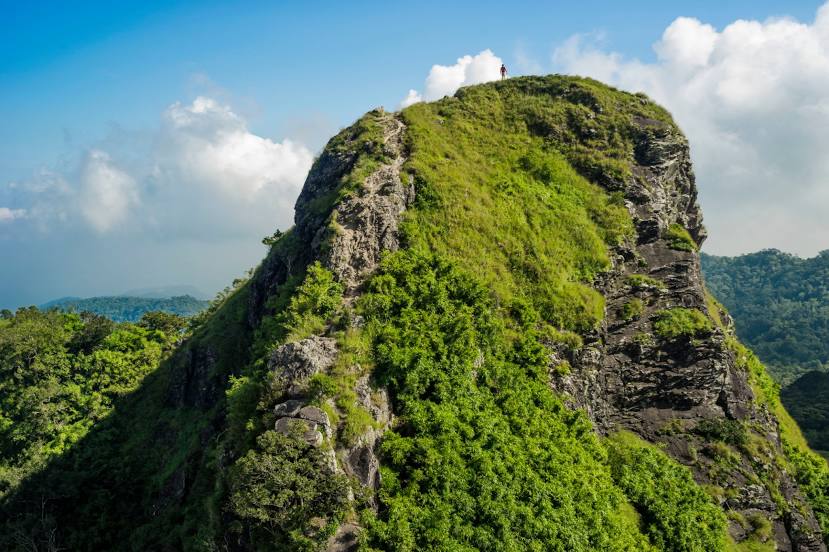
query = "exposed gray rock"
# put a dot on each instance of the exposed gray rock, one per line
(366, 223)
(317, 416)
(359, 459)
(625, 377)
(294, 363)
(288, 408)
(345, 539)
(311, 430)
(364, 226)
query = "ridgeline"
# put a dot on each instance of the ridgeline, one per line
(487, 330)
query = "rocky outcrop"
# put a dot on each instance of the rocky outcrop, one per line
(366, 224)
(663, 389)
(348, 240)
(315, 423)
(294, 363)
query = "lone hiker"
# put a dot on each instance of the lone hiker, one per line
(503, 71)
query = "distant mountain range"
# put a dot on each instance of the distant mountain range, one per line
(165, 292)
(129, 308)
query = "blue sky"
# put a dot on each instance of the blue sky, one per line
(86, 91)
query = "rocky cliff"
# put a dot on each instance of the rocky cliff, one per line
(679, 390)
(486, 330)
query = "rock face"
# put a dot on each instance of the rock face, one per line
(365, 222)
(349, 242)
(663, 389)
(294, 363)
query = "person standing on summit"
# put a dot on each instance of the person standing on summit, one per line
(503, 71)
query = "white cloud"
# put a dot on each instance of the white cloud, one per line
(8, 215)
(444, 80)
(752, 100)
(201, 174)
(412, 97)
(212, 145)
(106, 192)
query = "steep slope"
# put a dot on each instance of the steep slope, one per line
(807, 398)
(780, 304)
(399, 372)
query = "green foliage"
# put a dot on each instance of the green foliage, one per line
(129, 309)
(807, 400)
(311, 305)
(810, 469)
(632, 310)
(499, 194)
(780, 305)
(676, 514)
(641, 281)
(59, 374)
(166, 322)
(678, 238)
(731, 432)
(271, 240)
(484, 455)
(285, 493)
(680, 322)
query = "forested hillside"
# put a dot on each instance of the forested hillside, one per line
(780, 304)
(61, 373)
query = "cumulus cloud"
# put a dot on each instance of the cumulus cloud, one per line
(211, 144)
(106, 193)
(752, 99)
(202, 174)
(444, 80)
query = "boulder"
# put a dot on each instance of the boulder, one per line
(293, 364)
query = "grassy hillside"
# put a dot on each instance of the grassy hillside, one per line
(499, 254)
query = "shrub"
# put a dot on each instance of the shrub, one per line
(678, 238)
(641, 281)
(632, 310)
(676, 513)
(484, 455)
(312, 304)
(281, 486)
(681, 322)
(732, 432)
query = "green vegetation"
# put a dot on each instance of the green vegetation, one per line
(676, 513)
(632, 310)
(129, 309)
(807, 400)
(483, 448)
(809, 469)
(678, 238)
(780, 305)
(641, 281)
(497, 191)
(279, 486)
(731, 432)
(61, 373)
(680, 322)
